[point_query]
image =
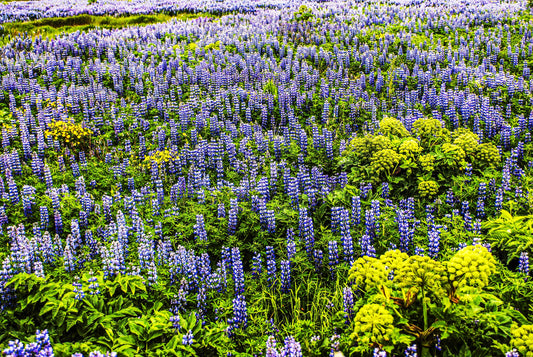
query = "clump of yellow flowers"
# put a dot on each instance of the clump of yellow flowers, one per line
(159, 157)
(70, 133)
(368, 272)
(428, 188)
(373, 324)
(471, 266)
(523, 339)
(399, 279)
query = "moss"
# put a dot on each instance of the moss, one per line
(57, 25)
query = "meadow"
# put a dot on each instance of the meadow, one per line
(266, 178)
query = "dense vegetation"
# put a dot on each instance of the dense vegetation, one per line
(266, 178)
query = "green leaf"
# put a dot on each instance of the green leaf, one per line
(71, 322)
(137, 327)
(49, 306)
(60, 318)
(173, 343)
(112, 288)
(465, 351)
(123, 281)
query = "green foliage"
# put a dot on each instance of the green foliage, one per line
(57, 25)
(510, 235)
(303, 14)
(271, 88)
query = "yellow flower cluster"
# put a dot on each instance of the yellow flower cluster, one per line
(393, 259)
(380, 142)
(368, 272)
(466, 140)
(420, 272)
(427, 162)
(384, 161)
(68, 132)
(213, 46)
(363, 147)
(410, 148)
(523, 339)
(392, 126)
(430, 129)
(456, 156)
(471, 266)
(428, 188)
(160, 157)
(488, 154)
(373, 324)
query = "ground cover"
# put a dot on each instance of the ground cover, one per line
(50, 27)
(298, 180)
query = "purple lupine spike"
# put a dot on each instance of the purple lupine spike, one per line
(271, 266)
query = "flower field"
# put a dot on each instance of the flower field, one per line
(266, 178)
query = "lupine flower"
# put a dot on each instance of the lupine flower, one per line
(232, 221)
(523, 264)
(348, 300)
(78, 289)
(512, 353)
(319, 256)
(41, 347)
(411, 351)
(188, 338)
(271, 265)
(240, 315)
(346, 237)
(333, 259)
(238, 272)
(285, 276)
(379, 353)
(199, 229)
(291, 245)
(257, 265)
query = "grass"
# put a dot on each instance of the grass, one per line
(53, 26)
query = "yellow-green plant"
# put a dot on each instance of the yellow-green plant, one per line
(466, 140)
(471, 266)
(454, 156)
(427, 162)
(487, 154)
(394, 260)
(373, 324)
(430, 131)
(68, 132)
(368, 272)
(428, 188)
(392, 126)
(410, 148)
(523, 339)
(160, 157)
(421, 273)
(213, 46)
(384, 162)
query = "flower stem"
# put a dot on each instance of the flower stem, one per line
(425, 350)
